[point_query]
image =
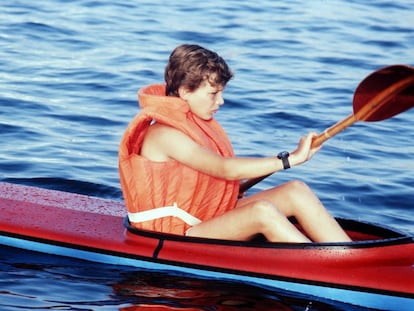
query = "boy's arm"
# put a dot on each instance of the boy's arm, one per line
(163, 143)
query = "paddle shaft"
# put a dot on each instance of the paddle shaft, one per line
(363, 114)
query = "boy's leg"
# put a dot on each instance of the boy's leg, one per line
(244, 222)
(297, 199)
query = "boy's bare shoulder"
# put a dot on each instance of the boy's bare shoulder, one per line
(159, 131)
(160, 140)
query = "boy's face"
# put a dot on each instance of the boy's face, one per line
(205, 100)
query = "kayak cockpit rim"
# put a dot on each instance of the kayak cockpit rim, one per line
(382, 236)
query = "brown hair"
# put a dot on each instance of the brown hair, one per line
(190, 65)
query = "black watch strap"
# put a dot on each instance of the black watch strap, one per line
(284, 156)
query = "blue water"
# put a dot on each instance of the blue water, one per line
(69, 72)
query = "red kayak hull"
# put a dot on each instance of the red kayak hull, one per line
(380, 260)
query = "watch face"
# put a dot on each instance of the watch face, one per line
(283, 154)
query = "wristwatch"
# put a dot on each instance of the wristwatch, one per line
(284, 156)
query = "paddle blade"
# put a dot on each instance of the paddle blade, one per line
(384, 93)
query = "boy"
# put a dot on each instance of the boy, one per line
(179, 174)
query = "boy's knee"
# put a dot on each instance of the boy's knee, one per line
(264, 211)
(297, 190)
(297, 186)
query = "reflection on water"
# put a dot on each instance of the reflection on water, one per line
(177, 292)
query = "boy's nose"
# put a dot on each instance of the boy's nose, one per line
(220, 100)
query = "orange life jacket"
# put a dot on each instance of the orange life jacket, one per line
(169, 196)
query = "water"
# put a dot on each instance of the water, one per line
(68, 80)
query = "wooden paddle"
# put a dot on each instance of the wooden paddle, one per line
(380, 96)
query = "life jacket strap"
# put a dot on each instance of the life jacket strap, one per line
(166, 211)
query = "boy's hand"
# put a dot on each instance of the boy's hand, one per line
(304, 151)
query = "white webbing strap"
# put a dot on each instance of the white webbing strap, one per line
(165, 211)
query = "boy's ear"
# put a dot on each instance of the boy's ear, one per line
(183, 92)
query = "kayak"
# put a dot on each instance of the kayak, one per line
(376, 270)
